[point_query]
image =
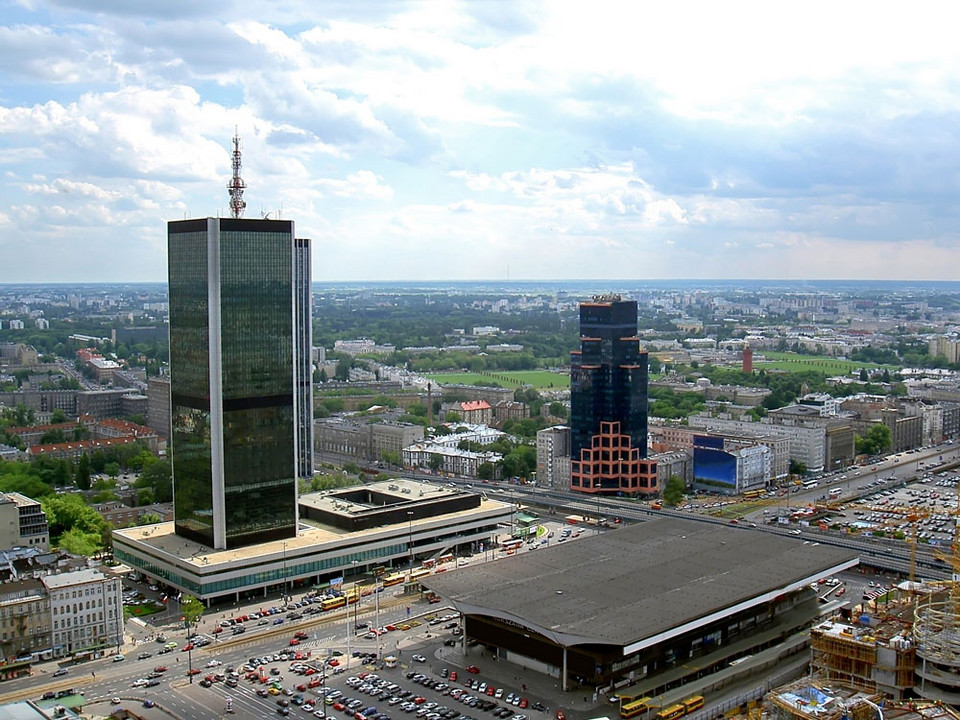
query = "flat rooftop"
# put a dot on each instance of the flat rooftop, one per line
(637, 585)
(160, 539)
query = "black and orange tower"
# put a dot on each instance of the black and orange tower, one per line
(608, 399)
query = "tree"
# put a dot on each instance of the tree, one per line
(58, 416)
(51, 437)
(112, 469)
(77, 542)
(190, 608)
(70, 512)
(453, 416)
(877, 439)
(144, 496)
(156, 475)
(435, 462)
(558, 409)
(863, 375)
(673, 492)
(486, 471)
(797, 467)
(81, 478)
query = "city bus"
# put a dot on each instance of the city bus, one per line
(692, 703)
(429, 563)
(443, 559)
(509, 545)
(669, 713)
(752, 494)
(807, 484)
(836, 492)
(635, 707)
(333, 603)
(419, 573)
(394, 579)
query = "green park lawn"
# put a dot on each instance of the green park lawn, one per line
(792, 362)
(537, 379)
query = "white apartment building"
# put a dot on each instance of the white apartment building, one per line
(808, 445)
(553, 457)
(87, 611)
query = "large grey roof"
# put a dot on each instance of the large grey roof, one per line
(628, 586)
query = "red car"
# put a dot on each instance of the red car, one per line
(217, 630)
(419, 700)
(338, 706)
(188, 646)
(193, 671)
(524, 702)
(314, 683)
(160, 668)
(453, 676)
(491, 690)
(391, 628)
(302, 687)
(333, 662)
(310, 671)
(301, 635)
(473, 669)
(294, 641)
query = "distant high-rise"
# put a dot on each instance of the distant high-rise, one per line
(608, 401)
(233, 379)
(303, 324)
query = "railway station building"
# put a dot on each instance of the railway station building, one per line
(654, 605)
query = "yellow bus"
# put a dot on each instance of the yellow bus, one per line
(634, 707)
(669, 713)
(694, 702)
(751, 494)
(333, 603)
(419, 573)
(394, 579)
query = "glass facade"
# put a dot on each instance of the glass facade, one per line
(303, 326)
(608, 384)
(232, 370)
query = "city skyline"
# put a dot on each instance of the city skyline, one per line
(484, 141)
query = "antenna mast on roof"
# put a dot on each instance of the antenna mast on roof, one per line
(236, 185)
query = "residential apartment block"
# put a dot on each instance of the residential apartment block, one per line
(86, 611)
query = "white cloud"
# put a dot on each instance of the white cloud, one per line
(556, 139)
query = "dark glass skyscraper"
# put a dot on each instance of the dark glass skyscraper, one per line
(232, 369)
(303, 324)
(608, 400)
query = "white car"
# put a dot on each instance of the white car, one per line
(419, 658)
(214, 663)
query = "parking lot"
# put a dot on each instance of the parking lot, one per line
(281, 684)
(926, 507)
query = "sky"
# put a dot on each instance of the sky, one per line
(487, 140)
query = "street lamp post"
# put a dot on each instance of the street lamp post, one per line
(285, 573)
(189, 653)
(346, 615)
(410, 537)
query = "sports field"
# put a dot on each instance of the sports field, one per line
(537, 379)
(792, 362)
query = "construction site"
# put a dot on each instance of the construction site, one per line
(821, 700)
(898, 647)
